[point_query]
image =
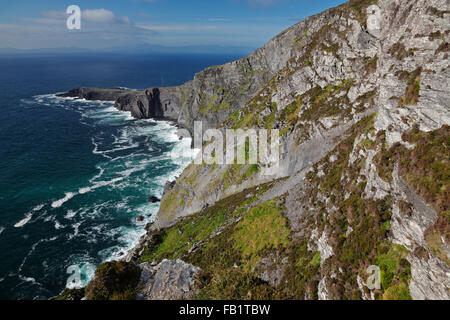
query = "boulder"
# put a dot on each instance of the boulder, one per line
(168, 280)
(153, 199)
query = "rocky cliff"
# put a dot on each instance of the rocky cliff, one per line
(98, 94)
(364, 119)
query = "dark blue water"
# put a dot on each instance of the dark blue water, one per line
(74, 174)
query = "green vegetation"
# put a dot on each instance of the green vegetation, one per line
(233, 175)
(437, 12)
(397, 292)
(70, 294)
(325, 102)
(170, 202)
(301, 275)
(252, 169)
(426, 169)
(218, 252)
(360, 8)
(369, 219)
(399, 51)
(395, 272)
(412, 92)
(236, 173)
(175, 241)
(264, 227)
(114, 280)
(220, 100)
(230, 239)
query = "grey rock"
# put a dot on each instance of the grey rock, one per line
(99, 94)
(168, 280)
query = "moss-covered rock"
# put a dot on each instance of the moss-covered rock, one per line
(114, 280)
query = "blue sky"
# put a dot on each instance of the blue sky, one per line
(35, 24)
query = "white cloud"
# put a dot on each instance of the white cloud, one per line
(102, 16)
(88, 15)
(100, 28)
(98, 15)
(54, 14)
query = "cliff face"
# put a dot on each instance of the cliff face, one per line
(364, 176)
(216, 92)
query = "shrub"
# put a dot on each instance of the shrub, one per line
(114, 280)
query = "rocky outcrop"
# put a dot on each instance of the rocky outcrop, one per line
(168, 280)
(96, 93)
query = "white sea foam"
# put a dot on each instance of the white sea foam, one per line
(102, 170)
(24, 221)
(58, 225)
(33, 248)
(27, 279)
(99, 185)
(70, 214)
(60, 202)
(28, 216)
(129, 239)
(86, 271)
(76, 230)
(121, 163)
(38, 207)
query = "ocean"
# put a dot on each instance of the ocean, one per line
(76, 174)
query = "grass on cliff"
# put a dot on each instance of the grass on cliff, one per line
(263, 227)
(425, 167)
(231, 237)
(395, 271)
(178, 239)
(114, 280)
(412, 92)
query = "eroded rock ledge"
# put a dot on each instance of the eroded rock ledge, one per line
(99, 94)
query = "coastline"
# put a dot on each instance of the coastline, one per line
(126, 254)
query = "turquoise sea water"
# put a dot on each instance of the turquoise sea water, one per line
(75, 174)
